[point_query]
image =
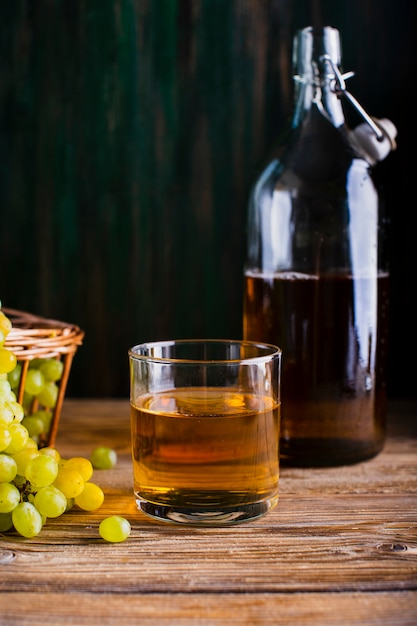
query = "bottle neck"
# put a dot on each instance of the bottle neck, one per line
(321, 97)
(316, 53)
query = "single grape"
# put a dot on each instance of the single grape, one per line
(19, 436)
(70, 482)
(53, 452)
(5, 391)
(52, 369)
(34, 425)
(103, 458)
(14, 376)
(27, 400)
(8, 468)
(9, 497)
(17, 409)
(5, 436)
(46, 417)
(8, 361)
(114, 529)
(91, 497)
(31, 443)
(35, 382)
(81, 465)
(41, 471)
(6, 414)
(50, 501)
(49, 394)
(5, 323)
(27, 520)
(23, 457)
(37, 362)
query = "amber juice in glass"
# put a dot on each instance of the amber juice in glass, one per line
(205, 420)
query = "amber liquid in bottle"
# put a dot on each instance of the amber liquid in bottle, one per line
(332, 330)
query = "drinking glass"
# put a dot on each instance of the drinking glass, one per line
(205, 417)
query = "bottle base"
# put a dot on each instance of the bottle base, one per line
(226, 516)
(326, 453)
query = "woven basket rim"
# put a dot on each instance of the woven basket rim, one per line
(36, 336)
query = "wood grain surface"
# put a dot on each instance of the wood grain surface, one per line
(340, 548)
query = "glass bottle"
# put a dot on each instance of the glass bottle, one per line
(316, 277)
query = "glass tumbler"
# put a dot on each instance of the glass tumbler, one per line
(205, 418)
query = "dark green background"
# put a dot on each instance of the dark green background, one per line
(130, 132)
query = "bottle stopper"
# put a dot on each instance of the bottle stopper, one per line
(374, 148)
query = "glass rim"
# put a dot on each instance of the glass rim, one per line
(267, 351)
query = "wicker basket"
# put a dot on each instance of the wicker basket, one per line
(33, 337)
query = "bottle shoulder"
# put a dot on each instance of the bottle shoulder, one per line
(317, 155)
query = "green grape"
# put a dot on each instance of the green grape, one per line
(8, 468)
(27, 400)
(52, 369)
(53, 452)
(46, 417)
(6, 414)
(5, 324)
(103, 458)
(23, 457)
(34, 425)
(5, 391)
(19, 436)
(31, 443)
(49, 394)
(81, 465)
(17, 409)
(91, 497)
(50, 501)
(41, 471)
(70, 482)
(114, 529)
(27, 520)
(35, 382)
(8, 361)
(14, 376)
(9, 497)
(35, 364)
(5, 436)
(6, 522)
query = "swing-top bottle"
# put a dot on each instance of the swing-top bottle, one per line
(316, 276)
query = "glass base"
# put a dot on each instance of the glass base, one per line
(210, 517)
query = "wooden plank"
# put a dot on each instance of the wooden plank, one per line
(338, 609)
(342, 529)
(308, 544)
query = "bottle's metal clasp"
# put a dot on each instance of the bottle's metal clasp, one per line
(339, 87)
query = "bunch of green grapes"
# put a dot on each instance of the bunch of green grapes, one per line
(40, 394)
(37, 483)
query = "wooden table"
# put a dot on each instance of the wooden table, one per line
(340, 548)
